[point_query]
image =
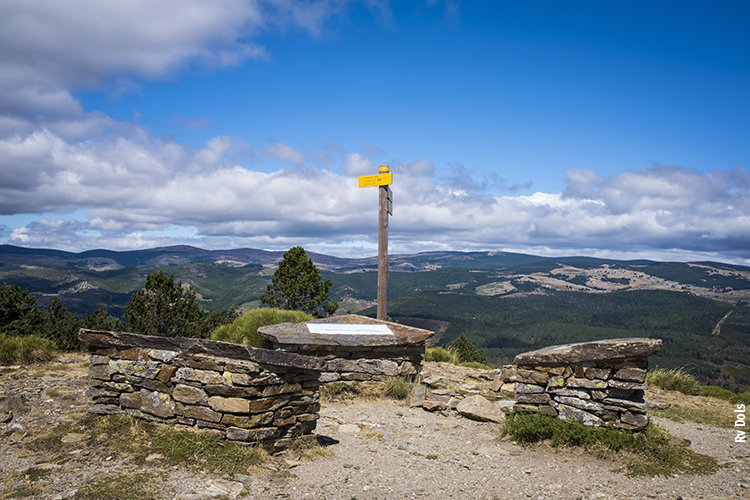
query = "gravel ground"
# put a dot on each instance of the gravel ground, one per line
(380, 450)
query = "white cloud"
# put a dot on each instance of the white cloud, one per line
(356, 164)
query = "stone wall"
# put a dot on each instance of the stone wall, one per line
(357, 351)
(595, 383)
(236, 392)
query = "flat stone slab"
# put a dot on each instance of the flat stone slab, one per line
(348, 330)
(591, 351)
(201, 346)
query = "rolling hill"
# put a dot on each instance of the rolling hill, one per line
(504, 302)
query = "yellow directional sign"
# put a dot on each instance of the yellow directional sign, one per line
(375, 180)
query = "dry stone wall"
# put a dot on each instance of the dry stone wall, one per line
(236, 392)
(595, 383)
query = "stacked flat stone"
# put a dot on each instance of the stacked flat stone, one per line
(352, 355)
(595, 383)
(236, 392)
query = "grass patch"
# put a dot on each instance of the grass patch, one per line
(309, 448)
(25, 350)
(125, 487)
(440, 355)
(122, 436)
(646, 453)
(351, 390)
(450, 355)
(25, 491)
(712, 391)
(674, 380)
(716, 415)
(397, 387)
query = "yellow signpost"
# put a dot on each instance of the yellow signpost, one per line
(375, 180)
(383, 180)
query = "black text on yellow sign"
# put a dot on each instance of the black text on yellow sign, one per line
(375, 180)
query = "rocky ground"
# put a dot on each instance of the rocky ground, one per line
(380, 449)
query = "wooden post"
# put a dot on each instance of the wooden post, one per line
(385, 206)
(383, 253)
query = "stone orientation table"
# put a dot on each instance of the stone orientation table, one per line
(354, 347)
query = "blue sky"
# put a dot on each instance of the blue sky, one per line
(613, 129)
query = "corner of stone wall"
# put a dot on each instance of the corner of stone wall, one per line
(238, 400)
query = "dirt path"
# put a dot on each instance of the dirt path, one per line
(380, 450)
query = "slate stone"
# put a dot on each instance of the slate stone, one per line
(572, 414)
(434, 405)
(582, 404)
(189, 395)
(593, 372)
(585, 383)
(229, 405)
(522, 388)
(638, 420)
(157, 403)
(591, 351)
(627, 386)
(102, 342)
(631, 374)
(417, 396)
(537, 399)
(202, 413)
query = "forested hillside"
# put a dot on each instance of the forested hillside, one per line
(505, 303)
(506, 326)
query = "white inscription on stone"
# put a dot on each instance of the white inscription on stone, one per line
(328, 329)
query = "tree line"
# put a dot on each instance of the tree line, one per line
(163, 307)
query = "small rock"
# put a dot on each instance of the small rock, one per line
(434, 405)
(349, 429)
(217, 487)
(478, 408)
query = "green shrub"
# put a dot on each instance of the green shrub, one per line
(25, 350)
(440, 355)
(647, 453)
(397, 387)
(244, 330)
(712, 391)
(674, 380)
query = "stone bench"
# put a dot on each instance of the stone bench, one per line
(595, 383)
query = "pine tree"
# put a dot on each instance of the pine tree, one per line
(297, 286)
(165, 309)
(61, 326)
(19, 314)
(466, 351)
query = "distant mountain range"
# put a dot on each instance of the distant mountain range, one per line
(504, 302)
(107, 260)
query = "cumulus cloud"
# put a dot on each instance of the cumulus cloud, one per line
(136, 186)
